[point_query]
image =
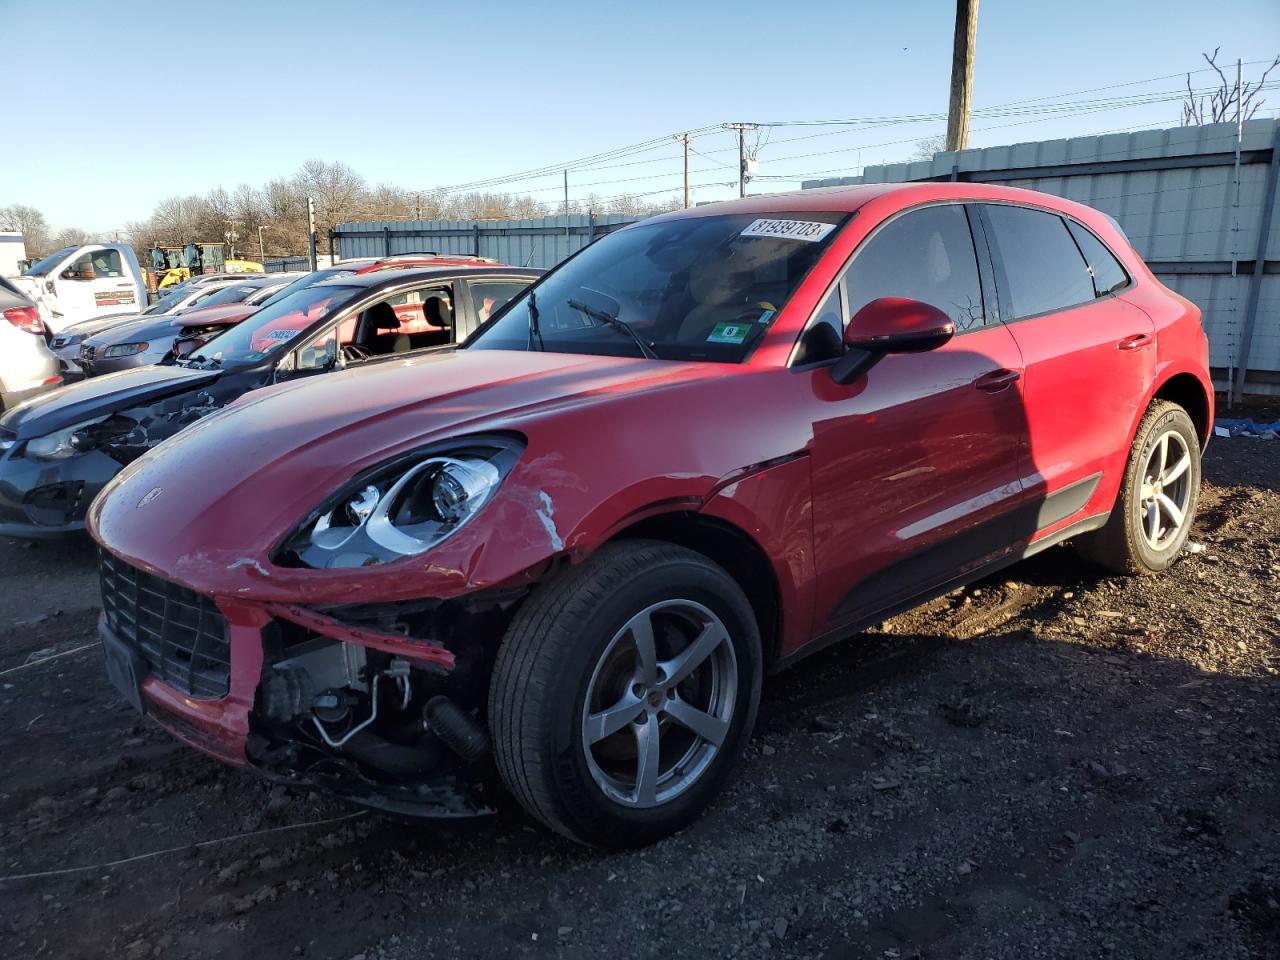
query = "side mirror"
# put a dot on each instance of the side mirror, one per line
(889, 325)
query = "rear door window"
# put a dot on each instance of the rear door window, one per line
(489, 296)
(925, 255)
(1108, 275)
(1043, 268)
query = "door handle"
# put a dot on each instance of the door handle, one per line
(1134, 342)
(997, 380)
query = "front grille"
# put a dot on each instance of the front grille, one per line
(177, 632)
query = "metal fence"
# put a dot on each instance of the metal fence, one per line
(1198, 213)
(543, 242)
(286, 264)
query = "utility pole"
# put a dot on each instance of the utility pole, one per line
(742, 128)
(262, 250)
(311, 232)
(566, 206)
(966, 40)
(417, 206)
(685, 138)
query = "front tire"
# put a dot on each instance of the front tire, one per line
(1157, 501)
(624, 693)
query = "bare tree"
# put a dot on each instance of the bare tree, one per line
(29, 222)
(72, 237)
(1221, 104)
(926, 148)
(337, 190)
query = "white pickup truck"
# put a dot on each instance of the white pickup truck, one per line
(81, 283)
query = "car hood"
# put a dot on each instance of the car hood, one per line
(100, 397)
(239, 480)
(227, 313)
(140, 328)
(87, 328)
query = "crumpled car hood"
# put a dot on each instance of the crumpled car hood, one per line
(225, 490)
(100, 397)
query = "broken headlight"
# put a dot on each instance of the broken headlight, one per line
(62, 444)
(403, 507)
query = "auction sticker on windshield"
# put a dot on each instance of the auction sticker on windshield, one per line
(807, 230)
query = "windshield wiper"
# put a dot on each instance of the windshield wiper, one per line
(201, 358)
(534, 330)
(608, 318)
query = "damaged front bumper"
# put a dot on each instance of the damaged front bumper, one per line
(347, 704)
(50, 498)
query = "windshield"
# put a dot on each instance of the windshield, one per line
(305, 281)
(703, 288)
(235, 293)
(272, 328)
(164, 304)
(41, 267)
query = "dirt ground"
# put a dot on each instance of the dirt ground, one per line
(1048, 764)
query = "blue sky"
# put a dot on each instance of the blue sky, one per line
(430, 94)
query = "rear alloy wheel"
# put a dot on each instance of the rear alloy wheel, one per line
(1157, 502)
(624, 692)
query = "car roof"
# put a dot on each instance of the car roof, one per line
(444, 272)
(848, 199)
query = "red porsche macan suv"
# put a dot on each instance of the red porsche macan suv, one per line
(562, 557)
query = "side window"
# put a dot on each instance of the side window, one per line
(97, 265)
(823, 339)
(490, 296)
(1043, 268)
(409, 320)
(1108, 275)
(925, 255)
(320, 354)
(81, 268)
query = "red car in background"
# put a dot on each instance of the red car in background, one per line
(706, 445)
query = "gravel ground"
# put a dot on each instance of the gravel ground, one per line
(1048, 764)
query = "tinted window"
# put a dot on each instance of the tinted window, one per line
(691, 288)
(1108, 275)
(1041, 262)
(925, 255)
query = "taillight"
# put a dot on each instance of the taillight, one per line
(25, 318)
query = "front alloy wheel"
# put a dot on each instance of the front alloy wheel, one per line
(659, 703)
(624, 692)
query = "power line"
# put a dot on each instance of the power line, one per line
(1026, 107)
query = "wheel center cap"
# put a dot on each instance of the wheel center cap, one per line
(655, 697)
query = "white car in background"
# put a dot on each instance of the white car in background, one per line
(27, 365)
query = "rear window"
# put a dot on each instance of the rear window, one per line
(1108, 275)
(1042, 265)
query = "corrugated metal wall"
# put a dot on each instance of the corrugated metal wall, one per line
(543, 242)
(1174, 193)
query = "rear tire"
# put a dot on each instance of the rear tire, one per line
(624, 693)
(1156, 505)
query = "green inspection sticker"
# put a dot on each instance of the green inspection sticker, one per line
(728, 333)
